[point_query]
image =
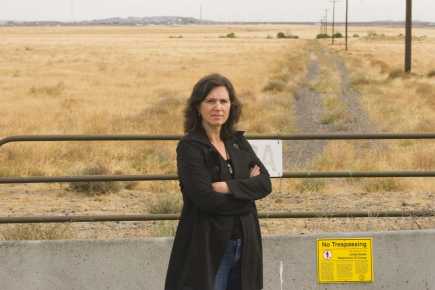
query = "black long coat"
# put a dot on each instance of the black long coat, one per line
(207, 217)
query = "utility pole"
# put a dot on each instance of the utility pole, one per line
(347, 18)
(326, 21)
(408, 36)
(200, 13)
(321, 25)
(333, 20)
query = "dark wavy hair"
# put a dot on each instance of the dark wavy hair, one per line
(192, 118)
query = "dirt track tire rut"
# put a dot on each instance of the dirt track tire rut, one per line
(309, 109)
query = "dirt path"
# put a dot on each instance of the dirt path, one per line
(309, 110)
(359, 121)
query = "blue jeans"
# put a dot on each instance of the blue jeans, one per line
(228, 275)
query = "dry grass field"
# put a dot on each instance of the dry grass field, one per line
(396, 102)
(135, 80)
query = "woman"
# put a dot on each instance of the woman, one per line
(217, 245)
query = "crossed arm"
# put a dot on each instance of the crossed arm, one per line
(222, 186)
(225, 198)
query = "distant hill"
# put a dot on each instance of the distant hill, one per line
(154, 20)
(176, 20)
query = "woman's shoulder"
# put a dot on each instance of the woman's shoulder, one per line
(199, 140)
(239, 133)
(193, 137)
(239, 137)
(192, 141)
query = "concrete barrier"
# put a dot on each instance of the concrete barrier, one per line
(402, 260)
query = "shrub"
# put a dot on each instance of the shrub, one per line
(383, 66)
(95, 187)
(311, 185)
(396, 73)
(37, 232)
(356, 35)
(372, 34)
(165, 204)
(338, 35)
(282, 35)
(322, 35)
(230, 35)
(381, 185)
(360, 80)
(431, 74)
(51, 90)
(130, 184)
(330, 118)
(275, 86)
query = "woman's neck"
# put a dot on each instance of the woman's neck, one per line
(213, 133)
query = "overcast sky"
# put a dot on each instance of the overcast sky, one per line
(226, 10)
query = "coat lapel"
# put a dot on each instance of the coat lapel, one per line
(236, 158)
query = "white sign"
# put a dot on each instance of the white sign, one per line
(270, 153)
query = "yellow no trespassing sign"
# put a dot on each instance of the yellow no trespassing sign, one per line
(345, 260)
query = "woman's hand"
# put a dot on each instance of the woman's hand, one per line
(221, 187)
(255, 171)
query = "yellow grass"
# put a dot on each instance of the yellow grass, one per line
(402, 104)
(125, 80)
(135, 80)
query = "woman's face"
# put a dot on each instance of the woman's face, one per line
(215, 108)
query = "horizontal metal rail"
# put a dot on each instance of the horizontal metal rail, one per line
(114, 218)
(93, 178)
(264, 215)
(58, 138)
(329, 136)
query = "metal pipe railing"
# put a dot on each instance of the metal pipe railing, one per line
(104, 218)
(262, 215)
(308, 174)
(329, 136)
